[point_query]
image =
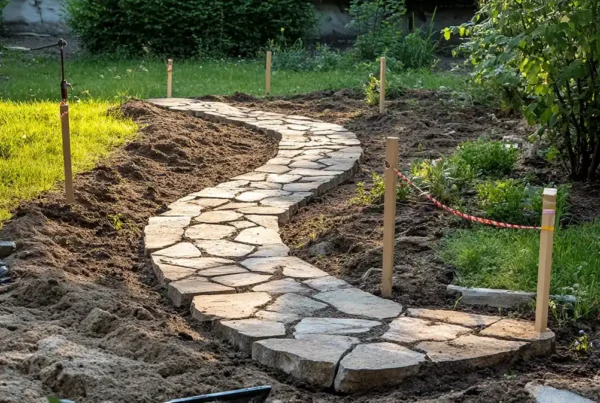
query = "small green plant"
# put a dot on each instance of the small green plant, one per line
(372, 89)
(582, 342)
(116, 221)
(489, 158)
(377, 192)
(508, 200)
(437, 178)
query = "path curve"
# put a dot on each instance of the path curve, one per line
(219, 251)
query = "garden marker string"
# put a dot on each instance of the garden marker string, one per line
(470, 217)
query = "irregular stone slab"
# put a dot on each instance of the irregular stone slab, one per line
(547, 394)
(242, 333)
(272, 250)
(411, 330)
(288, 153)
(164, 231)
(182, 209)
(228, 306)
(282, 178)
(487, 296)
(168, 222)
(305, 164)
(225, 248)
(235, 206)
(259, 236)
(234, 184)
(271, 222)
(266, 185)
(287, 202)
(356, 302)
(242, 224)
(291, 266)
(196, 263)
(165, 273)
(209, 231)
(511, 329)
(457, 318)
(313, 360)
(287, 285)
(297, 304)
(335, 326)
(222, 271)
(279, 161)
(214, 217)
(327, 283)
(252, 176)
(210, 203)
(302, 186)
(377, 365)
(217, 193)
(241, 280)
(273, 169)
(181, 292)
(256, 195)
(180, 250)
(277, 316)
(281, 213)
(468, 352)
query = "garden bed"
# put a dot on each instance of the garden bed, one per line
(73, 261)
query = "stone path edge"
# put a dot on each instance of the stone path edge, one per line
(218, 251)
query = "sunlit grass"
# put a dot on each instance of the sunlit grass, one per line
(31, 159)
(508, 259)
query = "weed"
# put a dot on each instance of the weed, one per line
(437, 178)
(116, 221)
(372, 90)
(377, 192)
(582, 342)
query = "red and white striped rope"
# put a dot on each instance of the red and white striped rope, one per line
(467, 216)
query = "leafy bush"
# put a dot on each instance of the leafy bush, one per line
(545, 58)
(377, 191)
(187, 28)
(372, 90)
(379, 24)
(512, 201)
(297, 57)
(483, 157)
(438, 178)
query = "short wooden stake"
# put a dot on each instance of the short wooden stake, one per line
(268, 73)
(545, 264)
(169, 78)
(389, 215)
(382, 70)
(66, 142)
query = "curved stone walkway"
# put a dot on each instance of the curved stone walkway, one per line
(219, 252)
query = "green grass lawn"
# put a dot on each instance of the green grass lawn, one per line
(508, 259)
(29, 76)
(31, 160)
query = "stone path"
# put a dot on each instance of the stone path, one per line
(219, 252)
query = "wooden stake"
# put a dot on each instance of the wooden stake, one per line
(389, 215)
(268, 73)
(66, 142)
(169, 78)
(382, 71)
(545, 264)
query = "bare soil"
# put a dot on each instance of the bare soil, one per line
(85, 319)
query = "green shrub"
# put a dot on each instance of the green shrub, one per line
(493, 158)
(437, 177)
(372, 90)
(187, 28)
(379, 24)
(297, 57)
(544, 57)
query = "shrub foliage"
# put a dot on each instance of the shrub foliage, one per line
(187, 28)
(544, 55)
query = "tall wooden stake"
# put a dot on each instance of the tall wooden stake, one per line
(169, 78)
(268, 73)
(66, 142)
(389, 215)
(382, 70)
(545, 264)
